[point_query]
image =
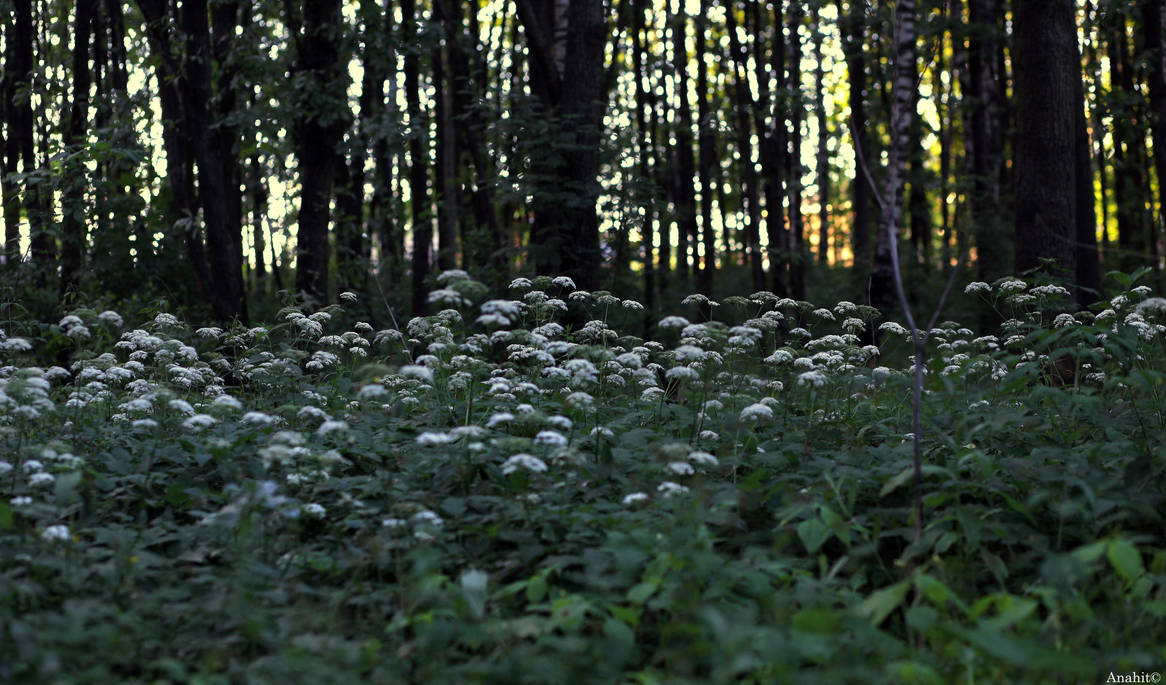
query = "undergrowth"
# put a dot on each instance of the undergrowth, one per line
(501, 492)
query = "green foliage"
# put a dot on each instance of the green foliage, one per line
(492, 495)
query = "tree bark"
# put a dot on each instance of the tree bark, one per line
(987, 144)
(743, 105)
(1044, 65)
(684, 192)
(1156, 75)
(823, 158)
(418, 160)
(74, 213)
(707, 148)
(319, 129)
(853, 28)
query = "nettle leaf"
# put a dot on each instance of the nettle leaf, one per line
(813, 534)
(880, 603)
(1124, 558)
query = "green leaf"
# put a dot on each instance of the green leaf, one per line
(1124, 557)
(642, 591)
(894, 483)
(5, 516)
(1087, 554)
(882, 602)
(536, 589)
(813, 534)
(817, 621)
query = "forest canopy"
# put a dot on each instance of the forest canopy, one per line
(214, 153)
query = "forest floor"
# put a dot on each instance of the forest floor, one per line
(489, 496)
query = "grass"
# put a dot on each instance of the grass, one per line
(492, 495)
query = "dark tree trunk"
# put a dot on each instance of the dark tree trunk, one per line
(799, 253)
(418, 159)
(774, 141)
(382, 215)
(482, 243)
(575, 98)
(684, 193)
(853, 30)
(74, 213)
(743, 106)
(258, 188)
(1088, 275)
(319, 130)
(227, 292)
(1156, 75)
(180, 206)
(823, 159)
(647, 231)
(987, 142)
(1045, 68)
(445, 148)
(707, 145)
(1128, 150)
(1097, 117)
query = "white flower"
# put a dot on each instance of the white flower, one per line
(499, 418)
(553, 438)
(56, 534)
(144, 424)
(1064, 320)
(669, 489)
(69, 321)
(520, 284)
(420, 373)
(209, 332)
(33, 465)
(709, 435)
(1011, 286)
(394, 523)
(426, 518)
(371, 391)
(110, 318)
(227, 402)
(315, 510)
(702, 458)
(563, 282)
(978, 288)
(347, 296)
(680, 468)
(814, 379)
(431, 438)
(756, 412)
(560, 422)
(20, 501)
(634, 498)
(42, 478)
(198, 422)
(892, 328)
(332, 426)
(523, 461)
(259, 418)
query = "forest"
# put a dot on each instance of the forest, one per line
(629, 341)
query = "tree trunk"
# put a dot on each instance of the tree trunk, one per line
(1045, 68)
(853, 29)
(744, 105)
(987, 144)
(684, 194)
(418, 159)
(884, 274)
(445, 148)
(74, 213)
(799, 253)
(647, 231)
(823, 159)
(706, 145)
(319, 130)
(1128, 151)
(1156, 75)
